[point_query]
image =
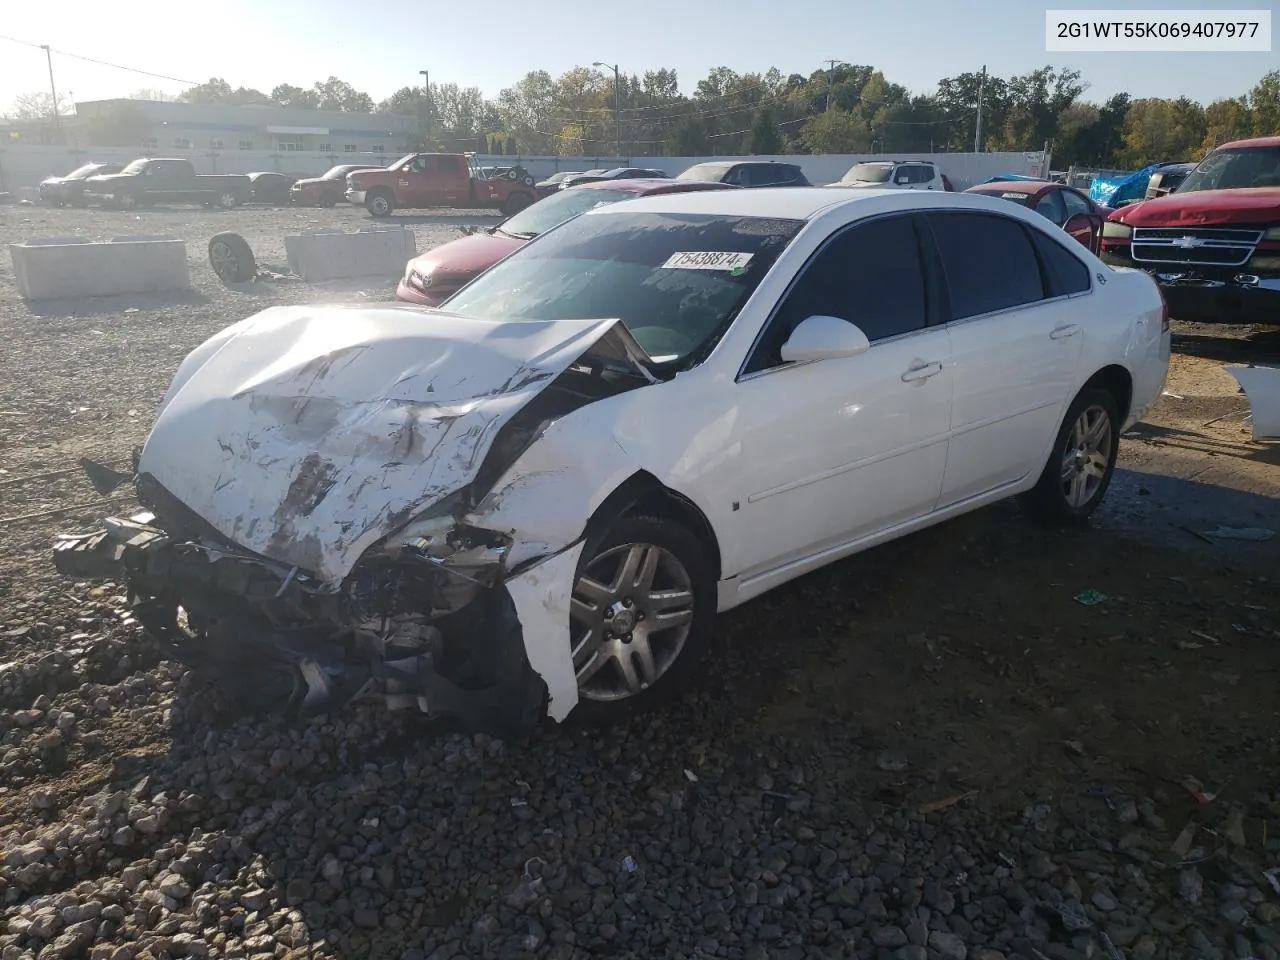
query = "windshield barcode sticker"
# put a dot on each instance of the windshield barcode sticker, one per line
(708, 260)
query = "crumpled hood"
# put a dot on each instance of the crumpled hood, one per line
(308, 433)
(1254, 205)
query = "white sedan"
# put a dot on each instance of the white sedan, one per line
(538, 497)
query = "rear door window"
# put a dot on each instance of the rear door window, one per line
(1075, 203)
(1050, 205)
(988, 262)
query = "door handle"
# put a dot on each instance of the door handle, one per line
(1067, 330)
(922, 372)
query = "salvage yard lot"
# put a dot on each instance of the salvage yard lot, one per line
(776, 812)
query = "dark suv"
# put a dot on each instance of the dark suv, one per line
(748, 173)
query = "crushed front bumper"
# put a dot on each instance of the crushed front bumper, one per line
(274, 641)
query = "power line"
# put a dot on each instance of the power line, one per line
(101, 63)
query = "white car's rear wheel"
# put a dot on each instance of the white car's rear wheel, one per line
(1083, 461)
(641, 615)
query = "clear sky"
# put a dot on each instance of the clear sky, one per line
(380, 45)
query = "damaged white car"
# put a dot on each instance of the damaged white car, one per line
(537, 497)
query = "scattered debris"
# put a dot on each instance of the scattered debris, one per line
(1206, 637)
(1182, 845)
(891, 761)
(690, 776)
(1273, 878)
(1254, 534)
(946, 803)
(1090, 597)
(1074, 746)
(629, 864)
(1234, 827)
(1196, 533)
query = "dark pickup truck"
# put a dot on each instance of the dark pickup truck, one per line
(149, 181)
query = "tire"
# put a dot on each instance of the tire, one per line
(528, 181)
(515, 203)
(126, 201)
(227, 199)
(328, 203)
(1075, 480)
(603, 606)
(232, 258)
(79, 202)
(380, 204)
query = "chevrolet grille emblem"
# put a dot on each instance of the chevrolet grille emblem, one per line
(1188, 243)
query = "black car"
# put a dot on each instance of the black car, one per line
(748, 173)
(552, 183)
(1167, 179)
(61, 191)
(617, 173)
(272, 188)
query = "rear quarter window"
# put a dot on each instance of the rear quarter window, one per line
(1065, 273)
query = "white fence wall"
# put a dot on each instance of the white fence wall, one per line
(25, 165)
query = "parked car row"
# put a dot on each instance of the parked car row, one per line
(426, 180)
(535, 499)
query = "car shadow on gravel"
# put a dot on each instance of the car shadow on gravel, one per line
(69, 307)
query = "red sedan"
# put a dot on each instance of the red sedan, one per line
(1066, 206)
(432, 277)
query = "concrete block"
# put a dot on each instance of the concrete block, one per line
(327, 253)
(48, 267)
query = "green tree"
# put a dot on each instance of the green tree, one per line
(217, 90)
(1264, 102)
(335, 94)
(689, 138)
(836, 132)
(1226, 120)
(765, 139)
(287, 95)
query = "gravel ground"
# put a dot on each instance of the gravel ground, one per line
(928, 751)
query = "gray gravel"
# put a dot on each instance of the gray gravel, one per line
(140, 818)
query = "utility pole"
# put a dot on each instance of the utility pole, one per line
(831, 69)
(977, 131)
(424, 103)
(617, 102)
(57, 122)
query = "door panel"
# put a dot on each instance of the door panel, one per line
(1014, 351)
(839, 449)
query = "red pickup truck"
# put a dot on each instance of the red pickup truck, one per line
(1213, 244)
(426, 180)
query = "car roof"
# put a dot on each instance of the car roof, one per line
(789, 203)
(1257, 142)
(1014, 186)
(641, 186)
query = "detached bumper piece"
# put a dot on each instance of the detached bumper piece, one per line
(274, 643)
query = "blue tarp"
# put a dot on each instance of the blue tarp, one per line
(1114, 191)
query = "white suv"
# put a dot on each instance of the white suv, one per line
(896, 174)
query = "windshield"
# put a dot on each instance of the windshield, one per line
(558, 208)
(338, 173)
(705, 171)
(869, 173)
(675, 280)
(88, 170)
(1228, 169)
(136, 166)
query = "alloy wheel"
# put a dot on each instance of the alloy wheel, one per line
(1086, 456)
(224, 261)
(630, 617)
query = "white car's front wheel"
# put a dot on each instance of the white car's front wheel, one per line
(641, 616)
(1083, 461)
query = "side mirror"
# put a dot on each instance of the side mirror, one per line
(824, 338)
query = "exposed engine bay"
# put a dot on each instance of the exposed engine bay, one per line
(425, 616)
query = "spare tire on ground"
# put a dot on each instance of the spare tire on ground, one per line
(232, 259)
